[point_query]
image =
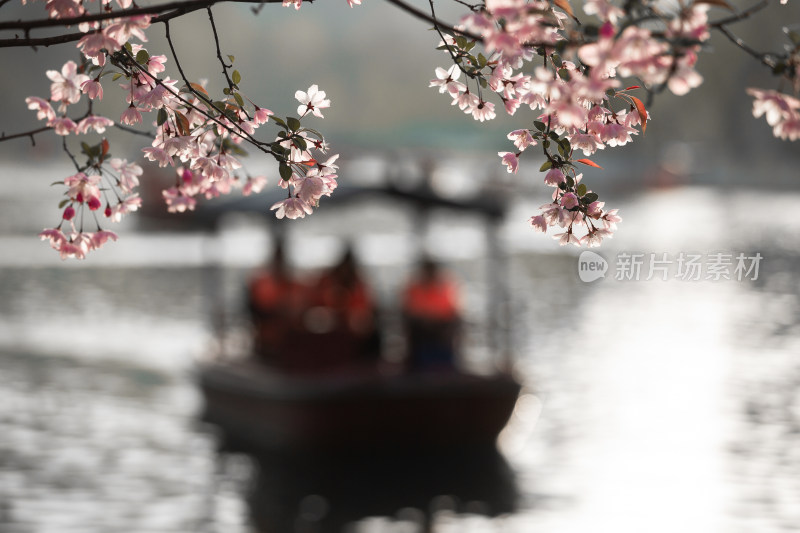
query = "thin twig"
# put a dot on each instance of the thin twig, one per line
(185, 6)
(133, 130)
(740, 16)
(763, 58)
(72, 157)
(30, 134)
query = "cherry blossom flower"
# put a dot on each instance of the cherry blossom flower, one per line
(42, 107)
(254, 185)
(131, 116)
(291, 208)
(510, 160)
(539, 223)
(569, 200)
(62, 125)
(95, 122)
(313, 100)
(66, 84)
(92, 89)
(128, 173)
(446, 80)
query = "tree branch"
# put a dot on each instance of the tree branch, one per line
(183, 7)
(4, 137)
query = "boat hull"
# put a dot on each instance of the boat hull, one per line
(257, 407)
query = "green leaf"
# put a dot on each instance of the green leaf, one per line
(85, 148)
(239, 99)
(300, 143)
(546, 166)
(279, 121)
(461, 41)
(232, 58)
(142, 56)
(236, 77)
(539, 125)
(162, 116)
(557, 60)
(564, 74)
(64, 202)
(570, 182)
(285, 171)
(591, 197)
(294, 124)
(129, 48)
(226, 90)
(57, 183)
(581, 190)
(482, 60)
(470, 46)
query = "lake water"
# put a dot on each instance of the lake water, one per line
(652, 406)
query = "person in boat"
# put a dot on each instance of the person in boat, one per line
(432, 319)
(342, 312)
(275, 301)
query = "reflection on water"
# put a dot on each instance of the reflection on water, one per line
(660, 406)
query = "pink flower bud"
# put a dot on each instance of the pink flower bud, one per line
(69, 213)
(94, 203)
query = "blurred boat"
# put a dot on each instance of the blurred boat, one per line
(360, 406)
(258, 407)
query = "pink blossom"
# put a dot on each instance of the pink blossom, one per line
(159, 155)
(569, 200)
(42, 107)
(68, 249)
(92, 89)
(352, 3)
(93, 44)
(510, 160)
(131, 116)
(261, 115)
(522, 139)
(128, 173)
(66, 84)
(125, 28)
(312, 101)
(611, 218)
(97, 123)
(539, 223)
(254, 185)
(83, 187)
(446, 80)
(100, 237)
(125, 206)
(177, 202)
(295, 3)
(567, 238)
(54, 235)
(291, 208)
(62, 125)
(555, 177)
(483, 111)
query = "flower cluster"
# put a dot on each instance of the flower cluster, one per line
(200, 136)
(575, 91)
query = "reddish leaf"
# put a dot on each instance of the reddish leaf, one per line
(718, 3)
(105, 149)
(199, 88)
(633, 87)
(564, 5)
(642, 111)
(183, 123)
(589, 162)
(310, 162)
